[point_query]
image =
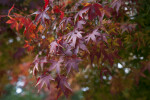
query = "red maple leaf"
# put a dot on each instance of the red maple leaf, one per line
(56, 65)
(57, 10)
(81, 12)
(105, 11)
(46, 3)
(42, 15)
(30, 28)
(63, 85)
(43, 61)
(36, 64)
(44, 79)
(39, 61)
(54, 47)
(92, 36)
(80, 45)
(117, 4)
(10, 11)
(79, 24)
(72, 63)
(13, 22)
(66, 48)
(93, 11)
(73, 36)
(28, 46)
(65, 21)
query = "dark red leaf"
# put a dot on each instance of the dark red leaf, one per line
(93, 11)
(63, 85)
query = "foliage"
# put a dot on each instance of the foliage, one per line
(102, 32)
(14, 61)
(130, 78)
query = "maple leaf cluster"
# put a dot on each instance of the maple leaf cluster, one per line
(63, 40)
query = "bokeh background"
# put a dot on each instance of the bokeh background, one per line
(131, 82)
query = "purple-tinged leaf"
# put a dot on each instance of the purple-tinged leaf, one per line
(66, 48)
(80, 45)
(128, 27)
(105, 11)
(103, 37)
(72, 63)
(36, 64)
(42, 15)
(68, 51)
(51, 3)
(116, 4)
(44, 79)
(77, 4)
(80, 13)
(43, 61)
(63, 85)
(56, 65)
(92, 36)
(79, 24)
(38, 61)
(65, 21)
(93, 11)
(73, 36)
(53, 47)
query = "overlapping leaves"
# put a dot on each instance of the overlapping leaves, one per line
(74, 39)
